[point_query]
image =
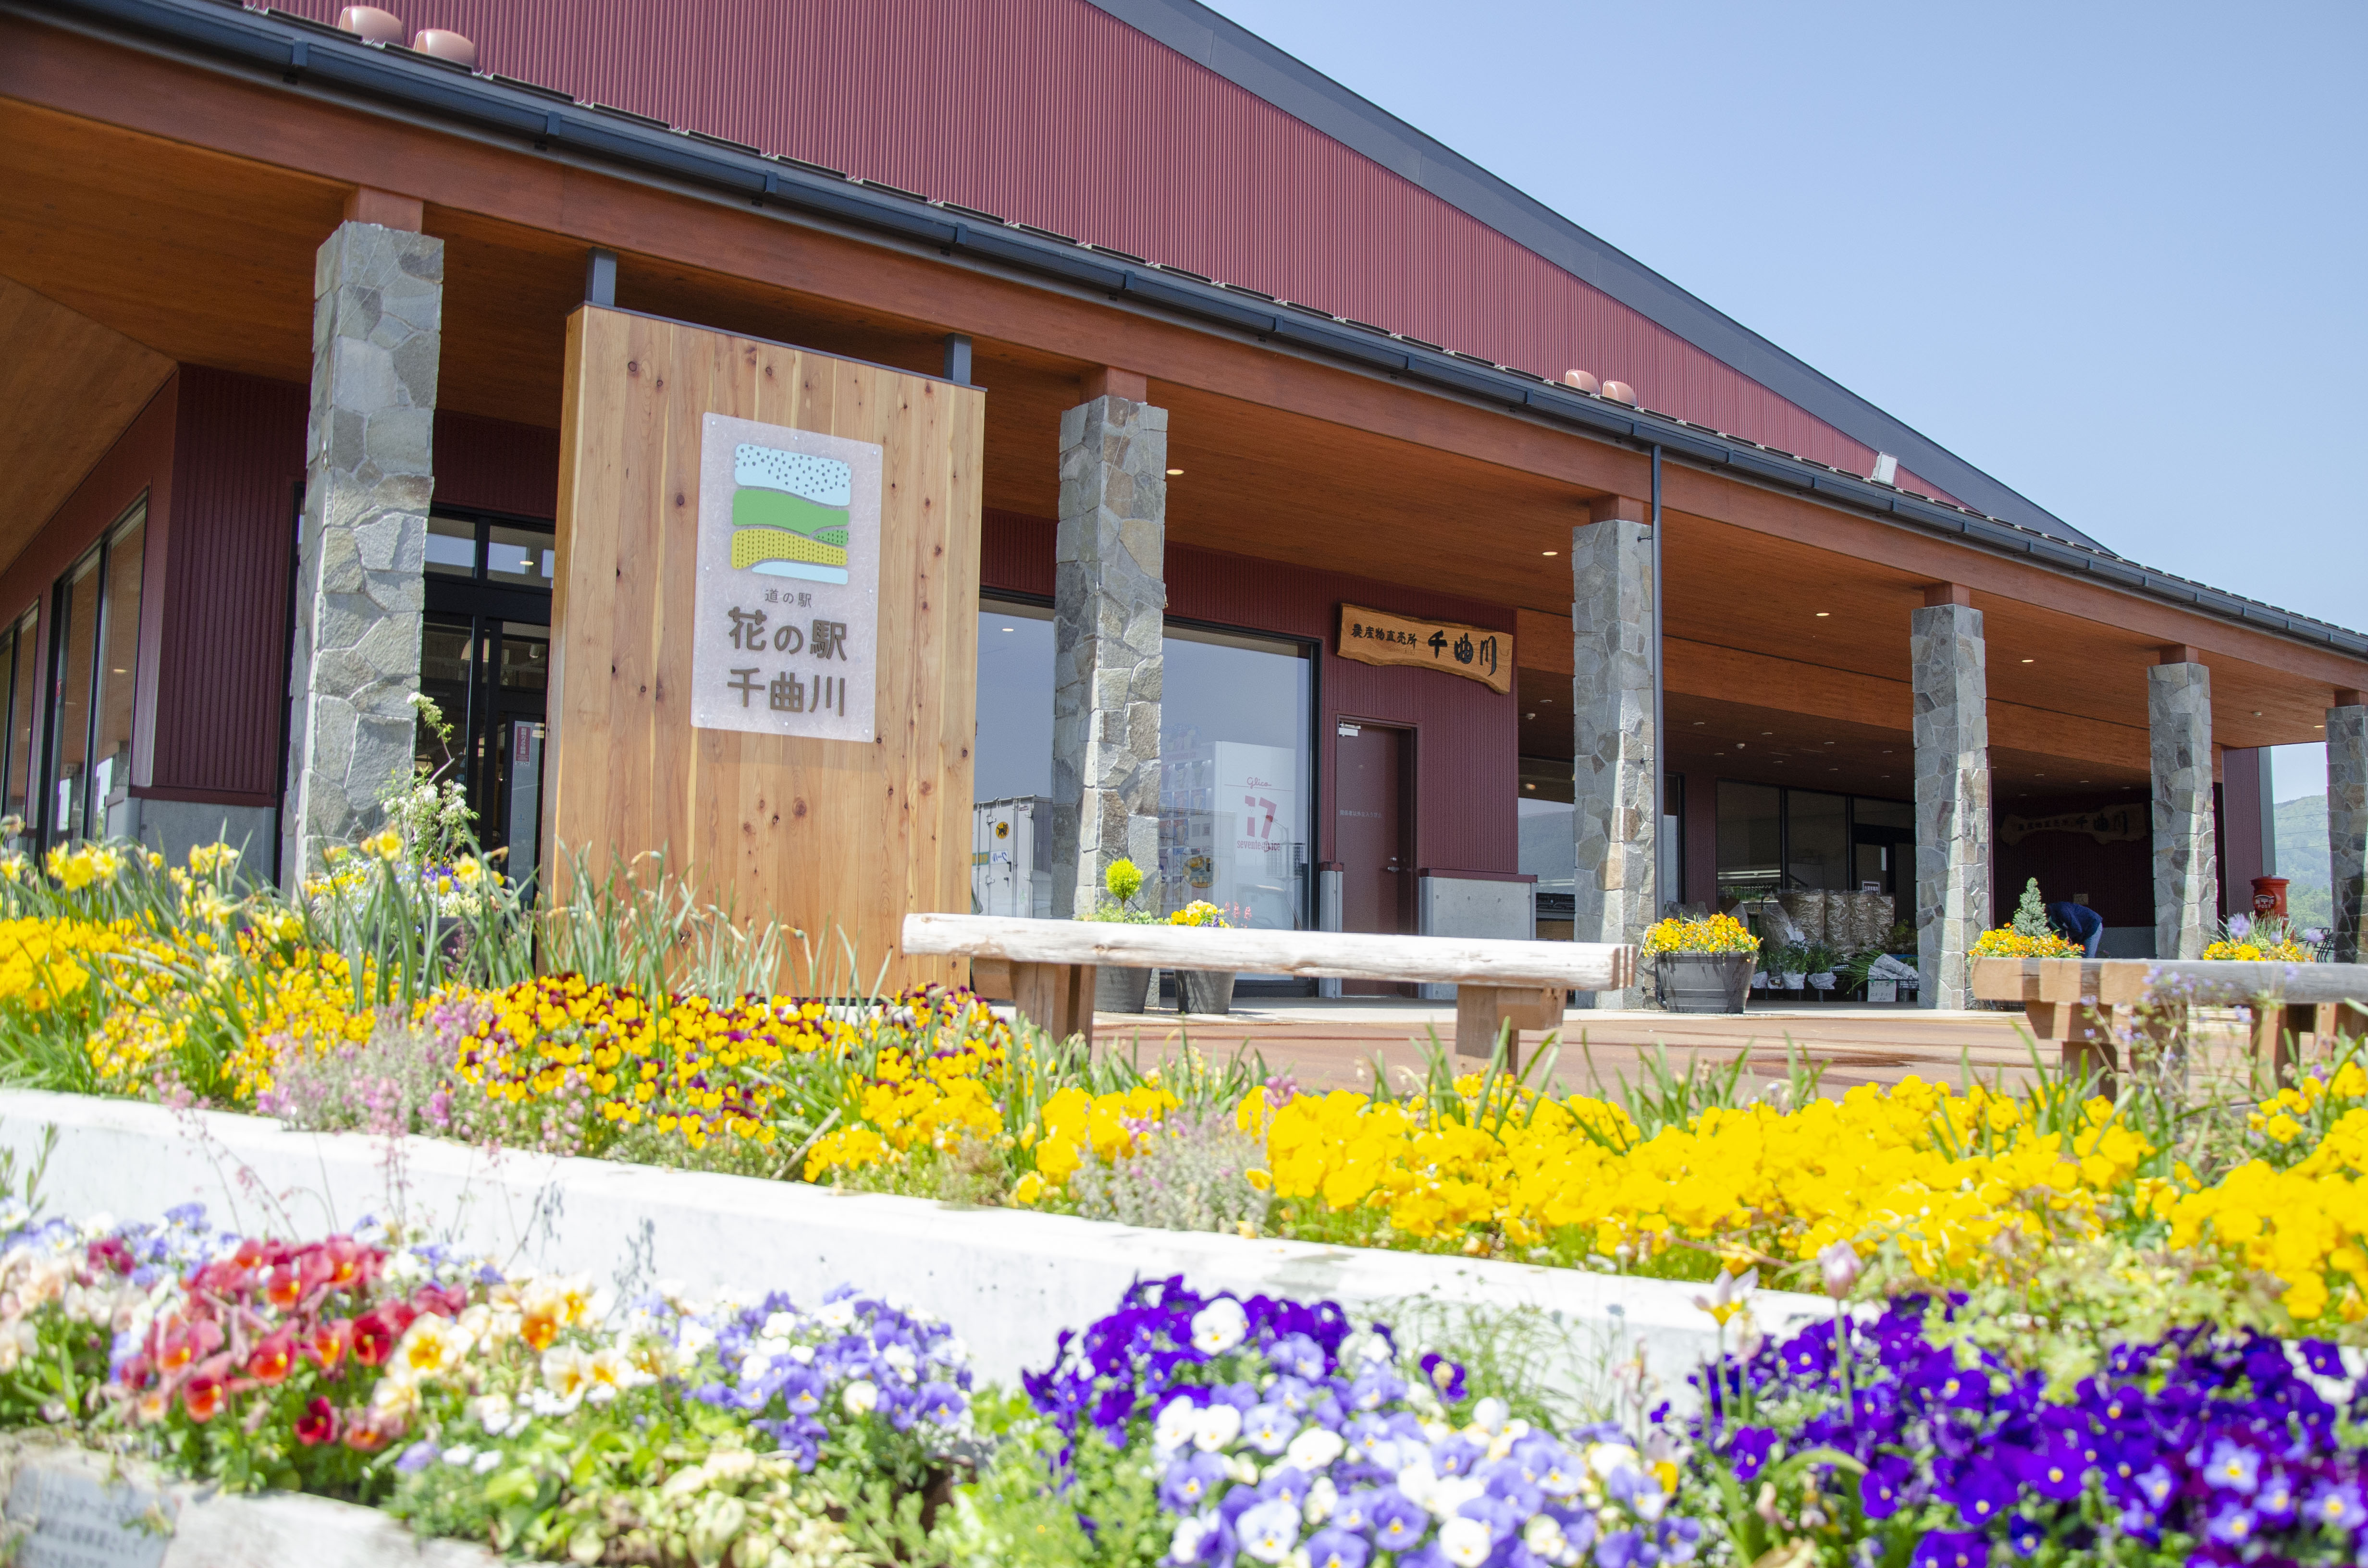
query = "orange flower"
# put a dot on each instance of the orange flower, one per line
(273, 1358)
(329, 1343)
(202, 1394)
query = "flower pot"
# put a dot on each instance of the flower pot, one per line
(1206, 991)
(1120, 990)
(1703, 983)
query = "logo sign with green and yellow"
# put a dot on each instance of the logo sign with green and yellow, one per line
(787, 615)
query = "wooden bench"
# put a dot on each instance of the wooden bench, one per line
(2074, 1002)
(1046, 967)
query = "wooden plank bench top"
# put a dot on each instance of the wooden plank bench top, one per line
(1498, 983)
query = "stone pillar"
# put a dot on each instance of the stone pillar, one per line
(2186, 876)
(1952, 731)
(1109, 608)
(378, 298)
(2347, 817)
(1613, 745)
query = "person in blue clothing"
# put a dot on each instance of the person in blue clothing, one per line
(2079, 924)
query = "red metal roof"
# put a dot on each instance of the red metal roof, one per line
(1054, 113)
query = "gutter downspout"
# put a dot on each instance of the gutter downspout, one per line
(1661, 895)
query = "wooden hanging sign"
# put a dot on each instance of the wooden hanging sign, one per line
(1475, 652)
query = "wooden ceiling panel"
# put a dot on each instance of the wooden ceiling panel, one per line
(70, 387)
(202, 258)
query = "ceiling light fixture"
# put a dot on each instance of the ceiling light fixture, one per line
(1175, 473)
(1823, 613)
(2030, 661)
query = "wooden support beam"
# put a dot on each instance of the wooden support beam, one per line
(1056, 997)
(1108, 380)
(1484, 1012)
(367, 204)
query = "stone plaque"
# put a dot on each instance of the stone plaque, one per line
(1378, 637)
(786, 618)
(80, 1521)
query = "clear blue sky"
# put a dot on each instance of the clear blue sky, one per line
(2115, 254)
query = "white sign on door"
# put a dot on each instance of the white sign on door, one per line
(786, 612)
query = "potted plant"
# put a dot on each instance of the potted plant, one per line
(1786, 972)
(1702, 966)
(1206, 991)
(1817, 962)
(2270, 939)
(1119, 988)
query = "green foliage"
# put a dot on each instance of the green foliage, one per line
(1017, 1515)
(2031, 914)
(1124, 879)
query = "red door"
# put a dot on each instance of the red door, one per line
(1372, 839)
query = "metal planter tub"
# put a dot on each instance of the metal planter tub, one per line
(1117, 989)
(1703, 983)
(1205, 991)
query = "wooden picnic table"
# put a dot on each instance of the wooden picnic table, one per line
(1046, 967)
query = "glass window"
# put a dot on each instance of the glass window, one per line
(453, 546)
(524, 557)
(1549, 838)
(1900, 814)
(1817, 839)
(1237, 780)
(70, 750)
(24, 670)
(110, 776)
(1012, 758)
(525, 656)
(1750, 838)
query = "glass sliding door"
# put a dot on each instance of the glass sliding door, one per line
(93, 652)
(1236, 790)
(22, 695)
(485, 657)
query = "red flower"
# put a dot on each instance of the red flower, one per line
(330, 1342)
(284, 1289)
(376, 1330)
(318, 1423)
(112, 1253)
(202, 1394)
(183, 1344)
(365, 1437)
(441, 1301)
(273, 1358)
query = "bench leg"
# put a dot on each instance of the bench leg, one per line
(1056, 997)
(2277, 1029)
(2341, 1021)
(1482, 1011)
(2084, 1032)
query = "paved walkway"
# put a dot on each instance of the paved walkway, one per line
(1333, 1044)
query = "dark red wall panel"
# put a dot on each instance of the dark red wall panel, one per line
(2117, 877)
(1057, 114)
(222, 677)
(495, 466)
(1466, 737)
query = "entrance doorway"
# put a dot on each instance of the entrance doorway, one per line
(485, 656)
(1374, 838)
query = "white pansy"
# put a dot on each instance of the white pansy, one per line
(1542, 1535)
(1176, 1422)
(458, 1453)
(803, 1354)
(1190, 1536)
(755, 1365)
(838, 1315)
(900, 1357)
(1449, 1493)
(1269, 1529)
(1491, 1414)
(488, 1462)
(1465, 1543)
(781, 1326)
(1219, 1326)
(1314, 1449)
(1219, 1424)
(1323, 1497)
(861, 1397)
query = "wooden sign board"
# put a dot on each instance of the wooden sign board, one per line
(1475, 652)
(765, 628)
(2106, 825)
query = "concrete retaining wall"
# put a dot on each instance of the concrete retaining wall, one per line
(1008, 1281)
(69, 1507)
